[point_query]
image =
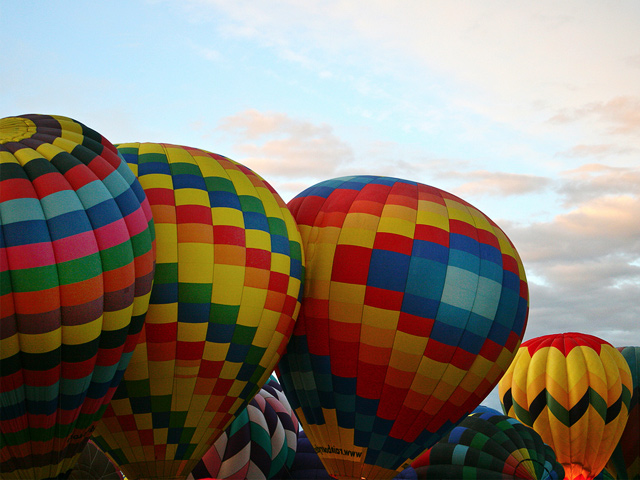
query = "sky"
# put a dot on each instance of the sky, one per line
(530, 111)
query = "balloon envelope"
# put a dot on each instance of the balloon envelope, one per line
(414, 304)
(223, 305)
(259, 444)
(625, 459)
(573, 389)
(76, 267)
(489, 445)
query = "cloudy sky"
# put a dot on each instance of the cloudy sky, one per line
(528, 110)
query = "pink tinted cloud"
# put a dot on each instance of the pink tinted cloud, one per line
(598, 228)
(483, 182)
(621, 114)
(602, 151)
(583, 269)
(596, 180)
(276, 144)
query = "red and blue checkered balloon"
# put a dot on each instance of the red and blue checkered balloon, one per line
(414, 305)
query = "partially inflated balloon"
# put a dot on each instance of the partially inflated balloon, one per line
(414, 305)
(489, 445)
(76, 267)
(94, 464)
(625, 459)
(259, 444)
(573, 389)
(223, 305)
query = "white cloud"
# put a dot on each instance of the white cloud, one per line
(507, 60)
(584, 271)
(596, 180)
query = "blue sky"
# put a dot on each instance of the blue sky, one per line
(528, 110)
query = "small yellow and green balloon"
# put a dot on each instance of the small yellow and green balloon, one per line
(575, 390)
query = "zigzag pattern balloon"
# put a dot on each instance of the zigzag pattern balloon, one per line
(575, 390)
(259, 444)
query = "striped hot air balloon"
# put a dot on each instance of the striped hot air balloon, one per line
(76, 267)
(414, 305)
(223, 305)
(575, 390)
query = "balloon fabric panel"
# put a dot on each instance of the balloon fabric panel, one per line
(575, 390)
(306, 464)
(414, 304)
(225, 298)
(77, 262)
(625, 460)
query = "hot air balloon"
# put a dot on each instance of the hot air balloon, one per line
(94, 464)
(76, 267)
(489, 445)
(625, 459)
(414, 305)
(573, 389)
(225, 298)
(259, 444)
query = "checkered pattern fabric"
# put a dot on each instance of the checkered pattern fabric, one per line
(224, 301)
(487, 444)
(575, 390)
(76, 267)
(414, 305)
